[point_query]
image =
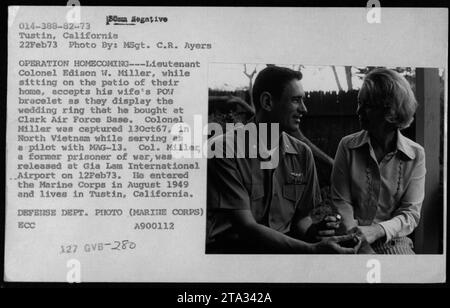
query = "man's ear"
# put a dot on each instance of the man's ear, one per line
(266, 101)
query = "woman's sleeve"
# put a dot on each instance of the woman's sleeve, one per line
(340, 186)
(406, 217)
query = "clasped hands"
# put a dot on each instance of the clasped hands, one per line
(330, 232)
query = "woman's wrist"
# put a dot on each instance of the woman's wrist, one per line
(379, 232)
(372, 233)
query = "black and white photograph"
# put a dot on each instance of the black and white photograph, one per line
(358, 171)
(197, 145)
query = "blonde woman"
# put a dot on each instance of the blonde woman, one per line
(378, 177)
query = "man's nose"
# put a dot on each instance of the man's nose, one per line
(302, 108)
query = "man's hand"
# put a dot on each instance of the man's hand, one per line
(332, 245)
(325, 228)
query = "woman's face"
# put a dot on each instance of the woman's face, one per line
(371, 117)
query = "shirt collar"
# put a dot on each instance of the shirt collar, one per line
(403, 143)
(286, 144)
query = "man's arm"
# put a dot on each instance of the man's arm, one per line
(235, 202)
(226, 180)
(267, 239)
(271, 241)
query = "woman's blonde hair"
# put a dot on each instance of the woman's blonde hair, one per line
(388, 89)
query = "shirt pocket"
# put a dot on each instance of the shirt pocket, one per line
(293, 192)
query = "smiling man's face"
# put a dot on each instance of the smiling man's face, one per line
(289, 109)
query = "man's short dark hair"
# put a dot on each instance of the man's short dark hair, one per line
(273, 79)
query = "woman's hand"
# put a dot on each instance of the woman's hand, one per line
(371, 233)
